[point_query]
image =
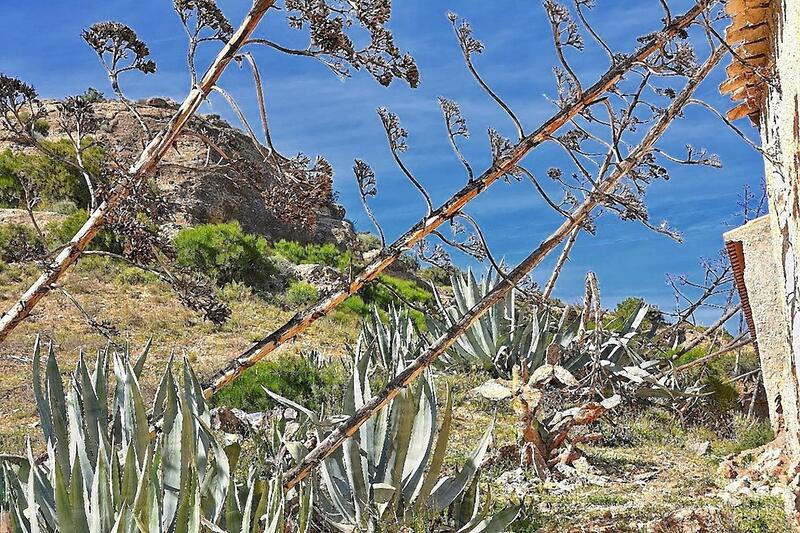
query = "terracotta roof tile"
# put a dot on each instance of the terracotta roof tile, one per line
(736, 255)
(749, 35)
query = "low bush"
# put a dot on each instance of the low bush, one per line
(135, 276)
(60, 233)
(64, 207)
(18, 243)
(301, 293)
(100, 267)
(657, 427)
(235, 292)
(368, 241)
(761, 514)
(292, 377)
(355, 304)
(692, 355)
(53, 180)
(436, 275)
(94, 96)
(226, 253)
(320, 254)
(625, 308)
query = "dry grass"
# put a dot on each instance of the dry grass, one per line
(139, 311)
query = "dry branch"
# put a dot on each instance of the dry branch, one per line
(407, 376)
(301, 321)
(711, 329)
(146, 165)
(562, 259)
(735, 344)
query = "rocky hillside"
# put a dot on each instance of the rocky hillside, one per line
(204, 186)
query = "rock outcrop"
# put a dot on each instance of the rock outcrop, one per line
(221, 180)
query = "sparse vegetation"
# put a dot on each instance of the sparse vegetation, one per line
(61, 232)
(19, 242)
(54, 179)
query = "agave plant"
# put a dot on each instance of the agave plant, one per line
(596, 354)
(106, 471)
(503, 338)
(393, 341)
(390, 471)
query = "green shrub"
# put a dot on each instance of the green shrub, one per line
(19, 242)
(60, 233)
(301, 293)
(355, 304)
(321, 254)
(368, 241)
(692, 355)
(53, 180)
(625, 309)
(100, 267)
(41, 126)
(723, 392)
(406, 289)
(291, 376)
(225, 253)
(93, 96)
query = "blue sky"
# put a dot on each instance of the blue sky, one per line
(314, 112)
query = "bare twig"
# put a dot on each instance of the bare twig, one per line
(262, 105)
(469, 45)
(104, 328)
(396, 135)
(367, 188)
(711, 329)
(250, 133)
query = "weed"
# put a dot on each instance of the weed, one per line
(762, 514)
(135, 276)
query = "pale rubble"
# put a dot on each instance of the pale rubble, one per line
(323, 277)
